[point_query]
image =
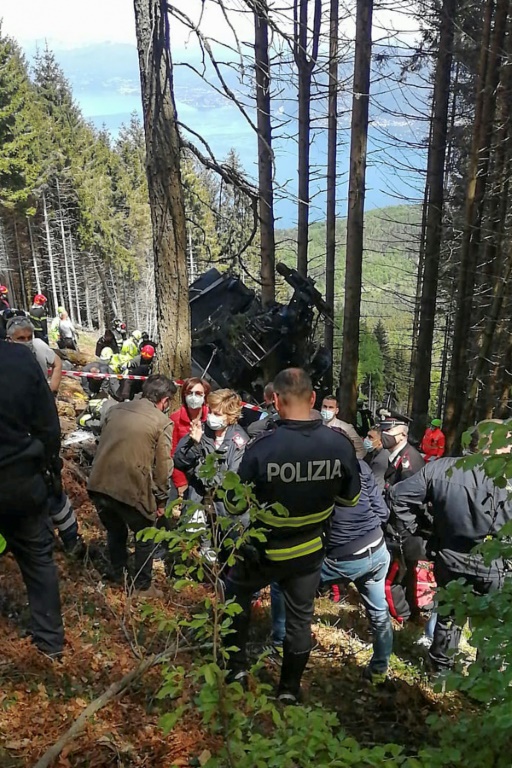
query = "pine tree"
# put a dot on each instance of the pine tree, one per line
(19, 166)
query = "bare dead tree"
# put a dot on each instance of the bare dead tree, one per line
(355, 216)
(305, 65)
(332, 141)
(164, 184)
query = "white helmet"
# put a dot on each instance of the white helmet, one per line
(106, 354)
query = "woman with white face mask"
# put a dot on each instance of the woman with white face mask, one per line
(193, 410)
(221, 435)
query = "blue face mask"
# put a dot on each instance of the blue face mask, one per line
(368, 445)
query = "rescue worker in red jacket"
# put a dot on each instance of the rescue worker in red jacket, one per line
(433, 443)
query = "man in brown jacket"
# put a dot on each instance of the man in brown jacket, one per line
(130, 475)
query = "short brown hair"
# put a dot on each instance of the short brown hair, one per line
(156, 387)
(293, 383)
(191, 382)
(228, 402)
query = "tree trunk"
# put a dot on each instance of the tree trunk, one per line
(75, 281)
(487, 341)
(434, 217)
(332, 138)
(305, 66)
(34, 256)
(265, 158)
(164, 184)
(417, 297)
(489, 71)
(355, 215)
(50, 255)
(23, 291)
(88, 314)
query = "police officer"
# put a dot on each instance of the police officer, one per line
(306, 467)
(467, 508)
(407, 547)
(404, 459)
(30, 441)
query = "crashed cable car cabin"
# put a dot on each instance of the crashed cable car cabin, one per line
(238, 344)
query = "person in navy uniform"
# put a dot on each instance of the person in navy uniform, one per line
(306, 467)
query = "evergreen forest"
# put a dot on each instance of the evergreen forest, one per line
(407, 102)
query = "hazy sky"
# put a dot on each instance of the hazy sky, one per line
(68, 23)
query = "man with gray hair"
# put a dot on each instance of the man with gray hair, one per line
(21, 331)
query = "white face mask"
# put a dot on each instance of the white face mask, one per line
(27, 344)
(194, 401)
(215, 422)
(327, 415)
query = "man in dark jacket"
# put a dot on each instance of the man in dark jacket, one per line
(404, 459)
(356, 552)
(377, 457)
(306, 467)
(39, 317)
(467, 507)
(406, 549)
(30, 442)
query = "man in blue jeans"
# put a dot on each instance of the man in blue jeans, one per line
(356, 552)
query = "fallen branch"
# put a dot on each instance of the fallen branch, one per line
(116, 689)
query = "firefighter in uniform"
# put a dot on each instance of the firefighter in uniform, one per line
(306, 467)
(39, 317)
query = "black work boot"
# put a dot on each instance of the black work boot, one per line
(291, 674)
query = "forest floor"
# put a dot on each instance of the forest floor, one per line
(107, 634)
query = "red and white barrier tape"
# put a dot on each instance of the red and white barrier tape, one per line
(88, 375)
(121, 377)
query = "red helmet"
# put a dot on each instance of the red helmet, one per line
(3, 289)
(39, 299)
(147, 352)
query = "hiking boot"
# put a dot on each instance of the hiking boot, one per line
(76, 548)
(292, 667)
(114, 576)
(375, 678)
(241, 676)
(289, 699)
(150, 591)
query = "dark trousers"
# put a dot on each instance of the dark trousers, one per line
(30, 539)
(298, 580)
(481, 578)
(119, 519)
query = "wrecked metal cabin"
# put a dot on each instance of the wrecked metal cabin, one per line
(238, 344)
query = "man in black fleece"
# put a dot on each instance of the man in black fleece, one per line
(467, 508)
(29, 446)
(356, 552)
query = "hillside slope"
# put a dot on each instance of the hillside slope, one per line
(389, 270)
